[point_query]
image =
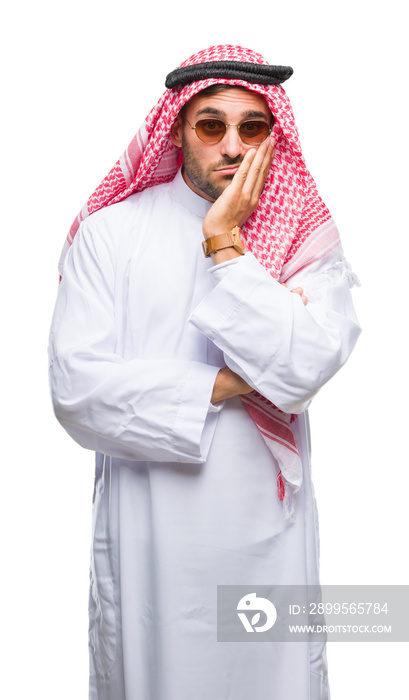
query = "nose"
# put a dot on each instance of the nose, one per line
(231, 143)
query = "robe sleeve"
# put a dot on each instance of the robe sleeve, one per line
(282, 348)
(137, 409)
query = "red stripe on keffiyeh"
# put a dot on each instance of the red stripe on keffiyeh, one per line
(272, 426)
(275, 427)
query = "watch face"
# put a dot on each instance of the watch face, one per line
(238, 242)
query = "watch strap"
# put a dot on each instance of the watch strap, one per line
(231, 239)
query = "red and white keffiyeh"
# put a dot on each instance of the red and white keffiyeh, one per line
(290, 228)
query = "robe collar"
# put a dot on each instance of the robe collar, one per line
(187, 198)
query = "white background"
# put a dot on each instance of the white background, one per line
(79, 79)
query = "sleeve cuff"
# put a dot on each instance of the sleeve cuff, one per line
(220, 271)
(196, 416)
(210, 314)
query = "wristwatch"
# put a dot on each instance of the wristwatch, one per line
(231, 239)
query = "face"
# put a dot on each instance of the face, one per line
(209, 168)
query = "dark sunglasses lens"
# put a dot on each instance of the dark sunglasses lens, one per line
(210, 130)
(254, 132)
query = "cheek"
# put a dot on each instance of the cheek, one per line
(193, 155)
(198, 157)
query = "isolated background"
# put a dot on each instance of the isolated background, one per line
(79, 78)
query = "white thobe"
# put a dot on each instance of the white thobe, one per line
(185, 492)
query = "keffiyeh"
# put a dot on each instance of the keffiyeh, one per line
(290, 228)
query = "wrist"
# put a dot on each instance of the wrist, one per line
(230, 240)
(216, 232)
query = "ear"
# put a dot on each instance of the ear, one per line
(177, 131)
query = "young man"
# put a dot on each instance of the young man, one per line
(189, 370)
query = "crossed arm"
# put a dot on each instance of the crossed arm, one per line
(233, 208)
(115, 397)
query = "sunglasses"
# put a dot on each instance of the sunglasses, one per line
(253, 132)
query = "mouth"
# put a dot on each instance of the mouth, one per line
(227, 170)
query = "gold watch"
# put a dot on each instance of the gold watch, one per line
(231, 239)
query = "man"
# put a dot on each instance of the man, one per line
(190, 376)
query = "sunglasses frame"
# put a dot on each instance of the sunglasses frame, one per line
(246, 121)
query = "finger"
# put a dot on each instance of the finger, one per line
(268, 158)
(259, 168)
(255, 165)
(300, 292)
(243, 170)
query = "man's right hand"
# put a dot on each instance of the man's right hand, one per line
(238, 201)
(229, 384)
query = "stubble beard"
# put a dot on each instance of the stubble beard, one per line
(200, 177)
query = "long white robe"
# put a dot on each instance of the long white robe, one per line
(185, 493)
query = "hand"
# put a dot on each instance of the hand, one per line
(238, 201)
(229, 384)
(300, 291)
